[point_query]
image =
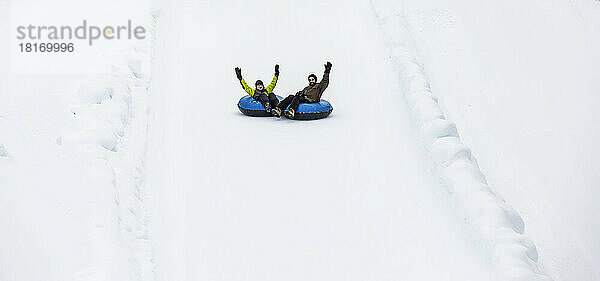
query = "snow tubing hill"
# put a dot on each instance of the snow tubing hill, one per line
(312, 111)
(251, 107)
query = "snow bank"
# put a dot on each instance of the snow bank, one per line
(498, 227)
(118, 106)
(3, 152)
(72, 196)
(522, 88)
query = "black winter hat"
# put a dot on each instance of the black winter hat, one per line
(258, 82)
(313, 75)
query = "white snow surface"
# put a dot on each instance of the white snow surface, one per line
(237, 198)
(520, 80)
(131, 161)
(72, 147)
(495, 223)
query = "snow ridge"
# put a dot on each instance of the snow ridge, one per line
(497, 226)
(132, 74)
(118, 103)
(3, 152)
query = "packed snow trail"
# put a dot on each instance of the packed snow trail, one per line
(349, 197)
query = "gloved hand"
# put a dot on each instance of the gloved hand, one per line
(238, 73)
(277, 70)
(328, 67)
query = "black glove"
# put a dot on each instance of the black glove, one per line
(238, 73)
(328, 67)
(277, 70)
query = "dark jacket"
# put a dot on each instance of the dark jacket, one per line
(314, 93)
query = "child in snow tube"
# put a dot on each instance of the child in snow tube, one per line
(311, 95)
(261, 94)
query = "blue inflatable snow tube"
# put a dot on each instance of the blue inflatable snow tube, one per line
(251, 107)
(312, 111)
(306, 111)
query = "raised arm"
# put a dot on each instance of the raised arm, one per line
(271, 86)
(325, 80)
(248, 89)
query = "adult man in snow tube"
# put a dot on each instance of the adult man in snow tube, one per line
(263, 95)
(310, 94)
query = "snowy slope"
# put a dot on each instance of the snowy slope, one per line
(496, 226)
(519, 78)
(236, 198)
(110, 172)
(71, 150)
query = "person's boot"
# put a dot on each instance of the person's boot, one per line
(290, 113)
(276, 111)
(267, 107)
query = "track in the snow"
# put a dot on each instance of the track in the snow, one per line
(237, 198)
